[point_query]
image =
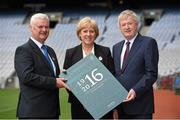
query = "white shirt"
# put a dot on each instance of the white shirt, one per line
(40, 45)
(124, 48)
(84, 54)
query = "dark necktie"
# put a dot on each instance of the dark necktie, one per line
(126, 52)
(45, 50)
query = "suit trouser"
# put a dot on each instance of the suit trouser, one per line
(123, 115)
(30, 118)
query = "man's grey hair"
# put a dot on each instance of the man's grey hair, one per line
(38, 16)
(127, 13)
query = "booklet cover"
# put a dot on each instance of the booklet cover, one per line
(94, 86)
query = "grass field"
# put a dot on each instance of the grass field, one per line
(9, 98)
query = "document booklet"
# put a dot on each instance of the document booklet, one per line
(94, 86)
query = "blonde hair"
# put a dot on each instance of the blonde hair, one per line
(87, 22)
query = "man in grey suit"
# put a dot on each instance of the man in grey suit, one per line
(38, 72)
(136, 68)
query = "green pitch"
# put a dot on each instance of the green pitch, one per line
(9, 99)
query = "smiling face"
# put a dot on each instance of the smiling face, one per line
(87, 35)
(128, 27)
(40, 29)
(87, 31)
(128, 24)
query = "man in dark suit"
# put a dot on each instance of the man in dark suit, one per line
(136, 68)
(87, 32)
(38, 74)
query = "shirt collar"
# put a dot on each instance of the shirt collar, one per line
(131, 40)
(36, 42)
(84, 54)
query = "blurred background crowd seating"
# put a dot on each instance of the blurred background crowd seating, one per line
(159, 19)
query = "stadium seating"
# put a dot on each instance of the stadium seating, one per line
(15, 32)
(12, 34)
(166, 32)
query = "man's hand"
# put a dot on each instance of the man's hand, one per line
(60, 83)
(131, 96)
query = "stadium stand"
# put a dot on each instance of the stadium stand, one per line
(65, 14)
(13, 34)
(165, 30)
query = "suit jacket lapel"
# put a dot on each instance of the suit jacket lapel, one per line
(118, 55)
(53, 58)
(78, 54)
(97, 52)
(133, 50)
(37, 51)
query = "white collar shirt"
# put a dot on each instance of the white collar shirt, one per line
(124, 48)
(84, 54)
(40, 45)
